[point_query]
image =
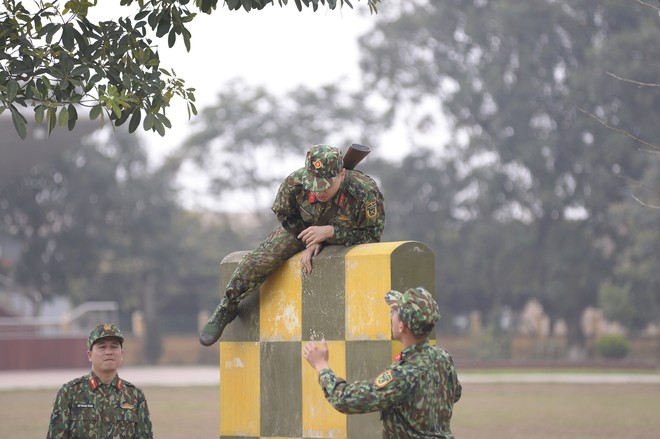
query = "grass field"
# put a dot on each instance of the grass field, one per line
(556, 411)
(494, 411)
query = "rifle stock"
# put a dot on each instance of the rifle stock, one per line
(354, 155)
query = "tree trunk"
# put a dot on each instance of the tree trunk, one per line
(153, 342)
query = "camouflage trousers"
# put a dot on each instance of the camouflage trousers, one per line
(258, 264)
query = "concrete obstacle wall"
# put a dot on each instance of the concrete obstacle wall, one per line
(267, 390)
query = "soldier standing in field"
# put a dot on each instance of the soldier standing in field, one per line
(100, 404)
(320, 204)
(417, 392)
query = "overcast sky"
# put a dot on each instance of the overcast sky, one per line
(276, 47)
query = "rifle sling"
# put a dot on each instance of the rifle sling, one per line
(325, 218)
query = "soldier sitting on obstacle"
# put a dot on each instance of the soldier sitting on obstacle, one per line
(416, 394)
(326, 202)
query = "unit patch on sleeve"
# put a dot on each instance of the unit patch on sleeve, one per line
(371, 210)
(384, 379)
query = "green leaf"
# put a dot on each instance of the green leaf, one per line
(68, 40)
(39, 114)
(163, 26)
(153, 18)
(206, 5)
(186, 38)
(123, 117)
(135, 121)
(116, 109)
(51, 119)
(171, 38)
(191, 109)
(80, 71)
(64, 117)
(148, 123)
(188, 18)
(81, 40)
(164, 120)
(41, 86)
(51, 32)
(159, 127)
(95, 112)
(20, 123)
(73, 117)
(12, 90)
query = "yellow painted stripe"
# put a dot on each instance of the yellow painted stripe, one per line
(320, 419)
(368, 278)
(375, 248)
(280, 306)
(239, 389)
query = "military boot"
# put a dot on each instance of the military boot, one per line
(221, 317)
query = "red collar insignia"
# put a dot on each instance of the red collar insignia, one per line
(397, 357)
(93, 383)
(312, 197)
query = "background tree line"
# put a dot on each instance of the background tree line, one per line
(528, 197)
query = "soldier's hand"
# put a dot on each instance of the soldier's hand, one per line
(317, 356)
(307, 255)
(316, 234)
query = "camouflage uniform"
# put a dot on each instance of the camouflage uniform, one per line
(417, 392)
(356, 213)
(87, 408)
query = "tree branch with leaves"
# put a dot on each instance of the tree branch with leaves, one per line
(56, 61)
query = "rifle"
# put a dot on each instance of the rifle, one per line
(354, 155)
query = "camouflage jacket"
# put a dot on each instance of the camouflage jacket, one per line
(87, 408)
(358, 217)
(415, 395)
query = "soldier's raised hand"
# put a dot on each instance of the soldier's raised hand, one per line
(317, 356)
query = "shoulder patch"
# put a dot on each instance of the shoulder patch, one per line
(125, 383)
(371, 210)
(384, 379)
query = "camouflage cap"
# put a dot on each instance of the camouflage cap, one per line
(323, 163)
(416, 307)
(104, 330)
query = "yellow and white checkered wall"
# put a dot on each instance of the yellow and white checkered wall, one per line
(267, 390)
